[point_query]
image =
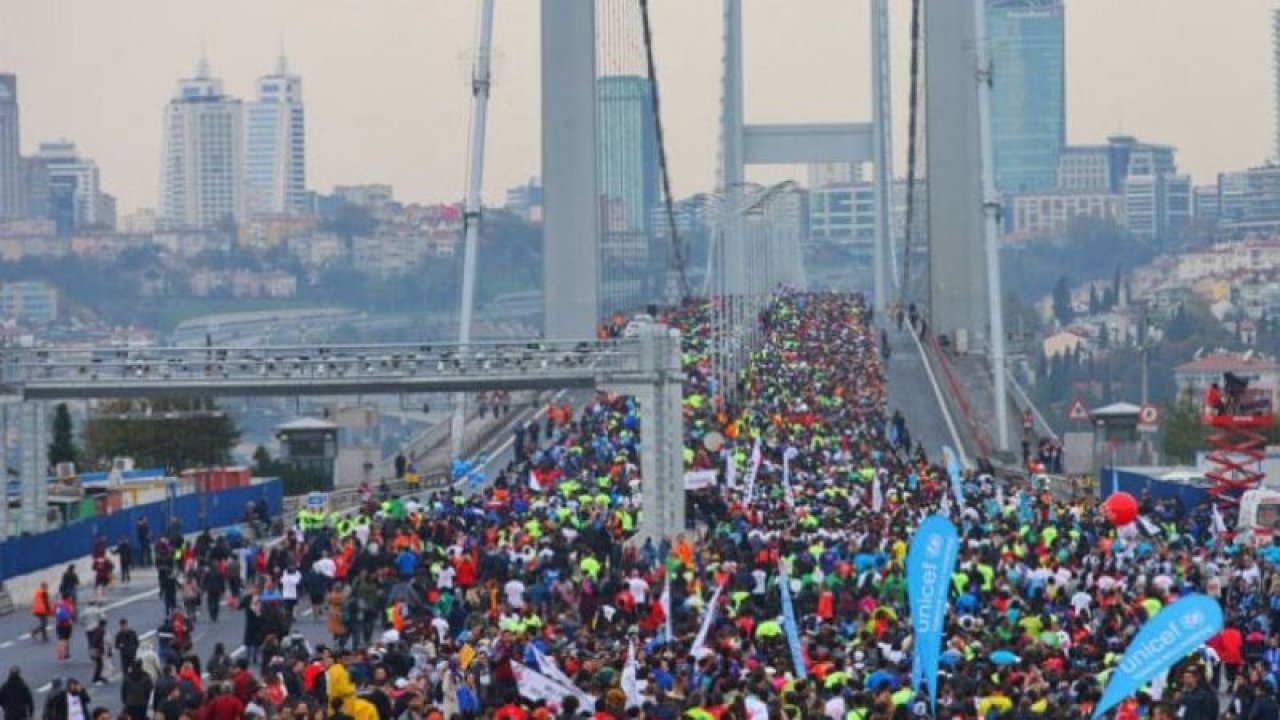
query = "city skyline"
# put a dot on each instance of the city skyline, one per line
(408, 128)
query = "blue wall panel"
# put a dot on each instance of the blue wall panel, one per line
(28, 553)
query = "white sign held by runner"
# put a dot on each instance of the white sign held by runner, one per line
(698, 479)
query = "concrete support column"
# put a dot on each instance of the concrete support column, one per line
(35, 465)
(659, 391)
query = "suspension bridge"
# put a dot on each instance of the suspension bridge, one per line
(612, 244)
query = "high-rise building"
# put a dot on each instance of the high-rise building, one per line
(631, 264)
(1275, 75)
(833, 173)
(202, 178)
(1028, 101)
(628, 148)
(275, 163)
(11, 187)
(843, 215)
(70, 175)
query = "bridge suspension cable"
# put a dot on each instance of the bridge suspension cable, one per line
(677, 264)
(913, 133)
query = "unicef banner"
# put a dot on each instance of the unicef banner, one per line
(1174, 632)
(930, 561)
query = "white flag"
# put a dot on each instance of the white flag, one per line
(538, 686)
(730, 470)
(750, 481)
(547, 666)
(629, 684)
(1219, 524)
(1149, 527)
(666, 608)
(790, 494)
(700, 641)
(877, 495)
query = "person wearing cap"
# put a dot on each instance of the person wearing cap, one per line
(15, 697)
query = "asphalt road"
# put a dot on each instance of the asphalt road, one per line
(911, 393)
(139, 603)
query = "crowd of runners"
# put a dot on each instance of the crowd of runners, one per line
(529, 598)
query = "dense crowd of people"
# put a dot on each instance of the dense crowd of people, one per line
(531, 598)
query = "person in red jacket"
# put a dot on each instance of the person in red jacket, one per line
(223, 704)
(1229, 644)
(243, 683)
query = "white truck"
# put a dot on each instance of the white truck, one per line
(1259, 519)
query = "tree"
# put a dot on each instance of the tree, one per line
(1183, 431)
(1062, 301)
(350, 221)
(63, 448)
(175, 433)
(1095, 306)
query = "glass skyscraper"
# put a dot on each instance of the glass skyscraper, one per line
(275, 163)
(631, 260)
(1028, 102)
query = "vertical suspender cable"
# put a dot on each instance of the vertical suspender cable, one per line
(677, 244)
(912, 124)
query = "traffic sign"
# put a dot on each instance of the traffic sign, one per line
(317, 501)
(1149, 415)
(1078, 411)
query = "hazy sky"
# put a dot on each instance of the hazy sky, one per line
(387, 99)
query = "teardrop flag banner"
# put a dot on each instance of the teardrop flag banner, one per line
(1172, 634)
(931, 560)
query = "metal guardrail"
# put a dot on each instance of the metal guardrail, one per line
(312, 369)
(958, 396)
(1023, 401)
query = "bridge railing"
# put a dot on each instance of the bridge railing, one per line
(1023, 401)
(35, 367)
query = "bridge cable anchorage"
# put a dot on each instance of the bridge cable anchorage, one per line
(678, 249)
(913, 123)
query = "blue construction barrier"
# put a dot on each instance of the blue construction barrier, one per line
(195, 511)
(1136, 483)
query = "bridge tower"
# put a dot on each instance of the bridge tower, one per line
(743, 144)
(570, 144)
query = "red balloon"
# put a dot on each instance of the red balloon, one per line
(1121, 509)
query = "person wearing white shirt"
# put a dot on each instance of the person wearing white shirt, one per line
(514, 590)
(289, 582)
(444, 580)
(639, 588)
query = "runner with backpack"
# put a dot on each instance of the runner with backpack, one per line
(64, 620)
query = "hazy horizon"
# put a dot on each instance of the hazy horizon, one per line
(387, 100)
